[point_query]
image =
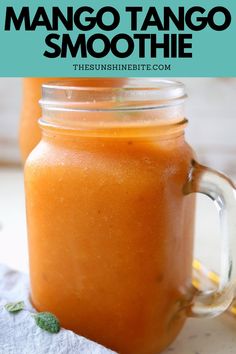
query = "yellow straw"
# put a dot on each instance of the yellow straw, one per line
(202, 272)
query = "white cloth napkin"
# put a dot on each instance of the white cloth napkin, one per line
(20, 335)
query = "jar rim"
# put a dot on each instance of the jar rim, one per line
(112, 94)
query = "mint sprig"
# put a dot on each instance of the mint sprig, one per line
(44, 320)
(14, 307)
(47, 321)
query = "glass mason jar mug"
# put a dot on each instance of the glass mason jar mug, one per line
(110, 194)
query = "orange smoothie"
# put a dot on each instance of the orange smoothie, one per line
(110, 232)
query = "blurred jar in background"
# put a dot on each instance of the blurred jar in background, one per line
(30, 112)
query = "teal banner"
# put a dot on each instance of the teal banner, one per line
(163, 38)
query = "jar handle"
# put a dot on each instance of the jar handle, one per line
(222, 191)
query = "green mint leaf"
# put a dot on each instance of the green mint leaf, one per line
(14, 307)
(47, 321)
